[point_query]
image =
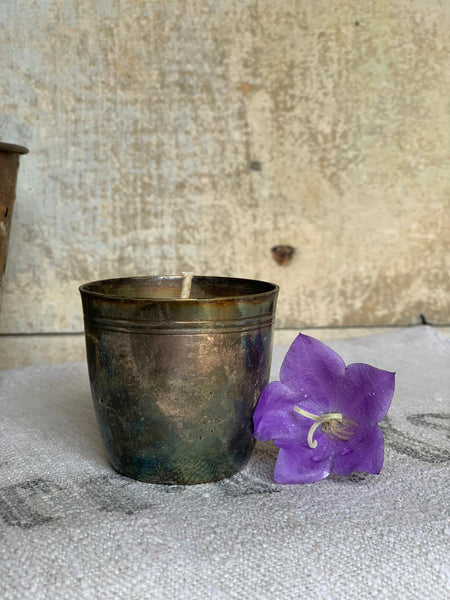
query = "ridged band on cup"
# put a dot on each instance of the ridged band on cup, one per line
(179, 327)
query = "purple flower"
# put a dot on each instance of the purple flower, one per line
(323, 415)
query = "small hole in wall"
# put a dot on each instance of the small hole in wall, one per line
(255, 165)
(357, 23)
(5, 214)
(282, 254)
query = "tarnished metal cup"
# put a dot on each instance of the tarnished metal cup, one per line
(9, 165)
(175, 381)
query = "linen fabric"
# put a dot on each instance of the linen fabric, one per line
(72, 528)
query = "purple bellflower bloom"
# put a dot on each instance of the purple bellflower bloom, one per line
(323, 415)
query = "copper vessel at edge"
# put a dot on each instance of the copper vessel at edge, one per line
(9, 165)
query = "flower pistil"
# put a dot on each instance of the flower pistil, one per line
(334, 425)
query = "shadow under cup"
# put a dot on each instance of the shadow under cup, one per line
(175, 381)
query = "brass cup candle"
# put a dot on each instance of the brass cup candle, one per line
(175, 380)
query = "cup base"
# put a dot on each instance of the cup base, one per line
(190, 472)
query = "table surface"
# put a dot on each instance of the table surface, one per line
(73, 528)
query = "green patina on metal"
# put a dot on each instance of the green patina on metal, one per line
(175, 381)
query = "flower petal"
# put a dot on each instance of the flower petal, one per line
(366, 394)
(313, 371)
(274, 416)
(297, 464)
(363, 452)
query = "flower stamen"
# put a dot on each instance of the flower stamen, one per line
(333, 425)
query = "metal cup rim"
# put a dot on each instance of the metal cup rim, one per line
(271, 289)
(4, 147)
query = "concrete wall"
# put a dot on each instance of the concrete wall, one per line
(196, 135)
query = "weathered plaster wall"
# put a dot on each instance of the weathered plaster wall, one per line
(199, 134)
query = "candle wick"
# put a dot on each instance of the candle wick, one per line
(186, 285)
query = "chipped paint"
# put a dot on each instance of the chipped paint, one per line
(143, 120)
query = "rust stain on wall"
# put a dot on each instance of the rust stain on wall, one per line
(143, 120)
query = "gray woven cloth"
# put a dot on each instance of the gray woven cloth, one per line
(72, 528)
